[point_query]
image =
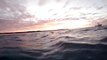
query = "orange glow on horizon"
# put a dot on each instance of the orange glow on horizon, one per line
(61, 24)
(55, 25)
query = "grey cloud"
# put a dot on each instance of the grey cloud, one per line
(7, 24)
(12, 24)
(42, 2)
(11, 9)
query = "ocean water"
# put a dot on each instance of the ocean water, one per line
(80, 44)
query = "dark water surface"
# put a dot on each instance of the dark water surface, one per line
(83, 44)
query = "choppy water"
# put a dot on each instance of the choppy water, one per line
(81, 44)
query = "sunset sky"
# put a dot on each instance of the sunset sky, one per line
(32, 15)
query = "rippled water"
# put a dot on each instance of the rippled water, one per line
(80, 44)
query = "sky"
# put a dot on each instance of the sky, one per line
(21, 15)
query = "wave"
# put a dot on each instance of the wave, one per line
(83, 44)
(60, 51)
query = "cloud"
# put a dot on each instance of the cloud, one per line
(41, 8)
(11, 9)
(12, 25)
